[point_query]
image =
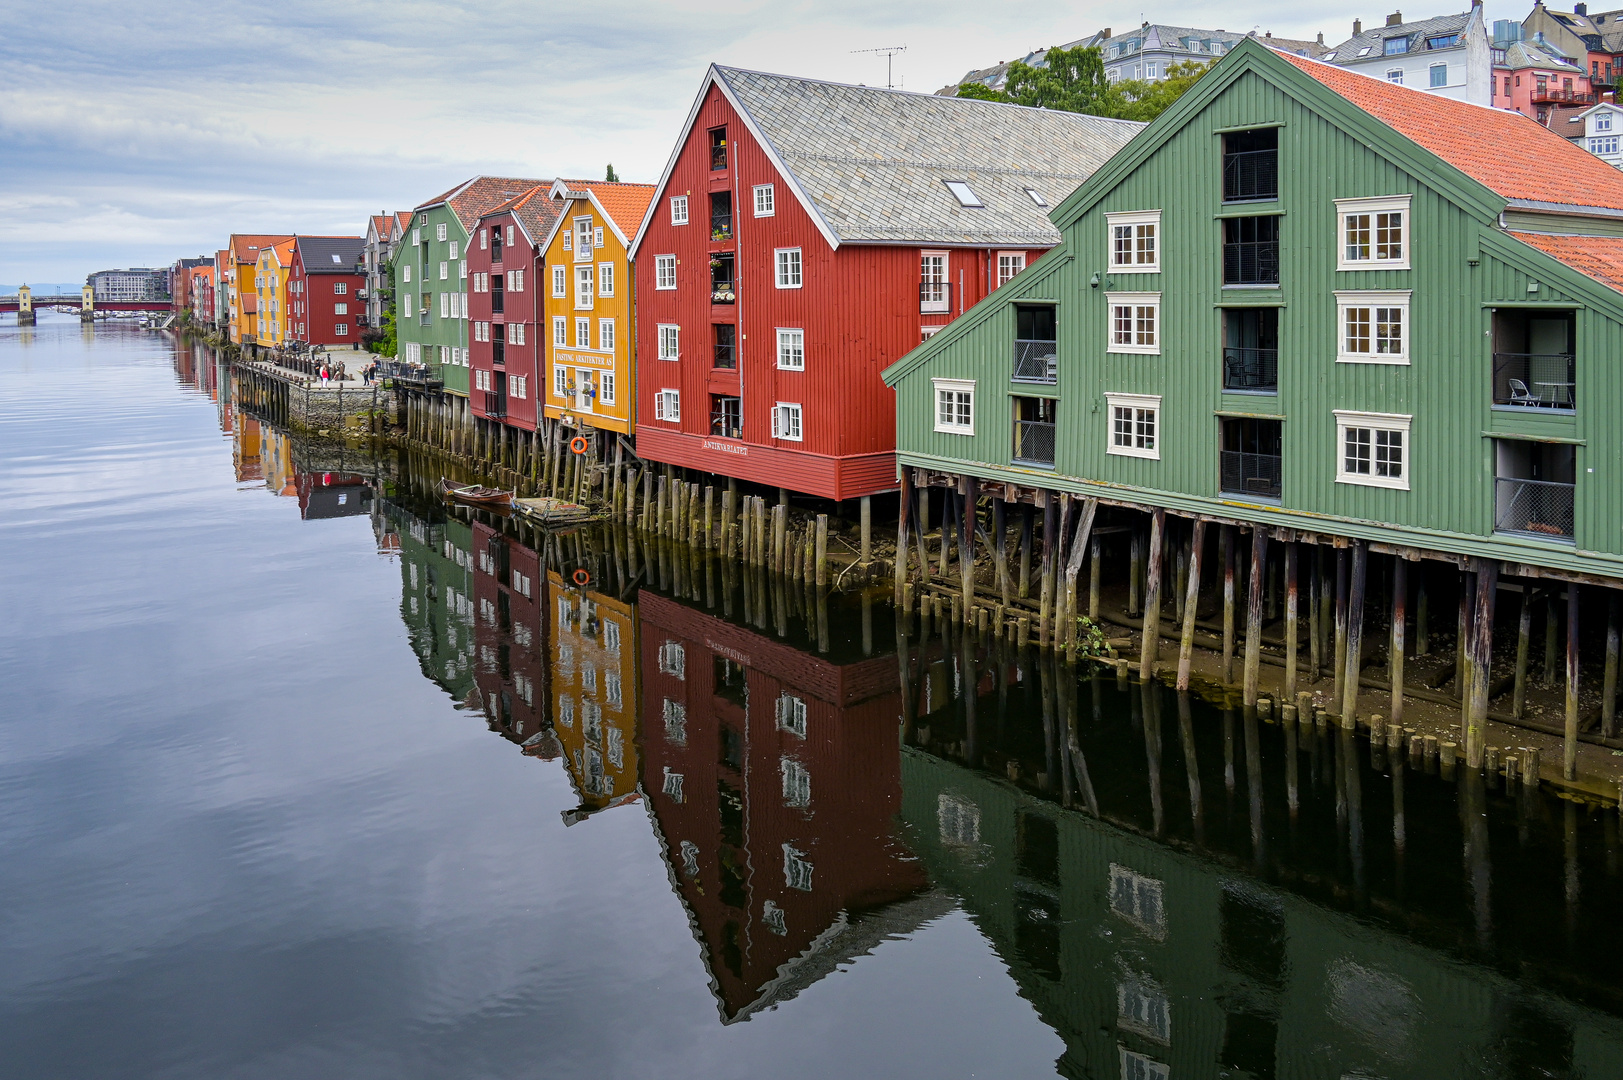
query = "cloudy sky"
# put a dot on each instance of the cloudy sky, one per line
(137, 134)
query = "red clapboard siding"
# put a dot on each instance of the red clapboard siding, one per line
(518, 307)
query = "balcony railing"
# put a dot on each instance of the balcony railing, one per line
(1535, 380)
(1255, 475)
(935, 296)
(1253, 370)
(495, 404)
(1549, 95)
(723, 292)
(497, 302)
(1035, 362)
(1033, 442)
(1251, 262)
(1535, 507)
(1250, 174)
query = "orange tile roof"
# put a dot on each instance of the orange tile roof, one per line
(1505, 151)
(475, 197)
(532, 208)
(1600, 257)
(625, 203)
(245, 246)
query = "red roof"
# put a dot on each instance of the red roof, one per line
(245, 246)
(475, 197)
(1505, 151)
(625, 203)
(1601, 257)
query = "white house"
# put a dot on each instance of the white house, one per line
(1450, 55)
(1603, 125)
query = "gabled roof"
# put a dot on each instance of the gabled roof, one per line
(380, 223)
(531, 208)
(621, 205)
(281, 251)
(1599, 257)
(330, 254)
(473, 198)
(1299, 46)
(871, 165)
(245, 246)
(1521, 55)
(1506, 152)
(1371, 44)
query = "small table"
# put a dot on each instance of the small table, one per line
(1559, 398)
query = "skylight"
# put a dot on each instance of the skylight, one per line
(963, 193)
(335, 259)
(1036, 196)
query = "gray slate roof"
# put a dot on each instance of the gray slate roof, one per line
(1524, 54)
(1374, 39)
(872, 162)
(318, 253)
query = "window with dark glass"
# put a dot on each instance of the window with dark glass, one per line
(1251, 457)
(1035, 347)
(726, 353)
(1251, 251)
(726, 416)
(718, 148)
(1251, 350)
(498, 343)
(721, 215)
(1034, 430)
(1251, 165)
(723, 289)
(497, 293)
(495, 243)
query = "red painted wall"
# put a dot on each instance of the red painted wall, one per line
(519, 308)
(858, 307)
(312, 298)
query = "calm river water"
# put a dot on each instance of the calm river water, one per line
(302, 775)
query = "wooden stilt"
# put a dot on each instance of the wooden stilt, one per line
(1315, 634)
(1524, 643)
(710, 517)
(1569, 743)
(1180, 579)
(1186, 644)
(1253, 615)
(920, 528)
(1226, 553)
(1463, 637)
(1150, 647)
(822, 551)
(1083, 540)
(1025, 552)
(1608, 693)
(1059, 567)
(966, 543)
(903, 512)
(1000, 537)
(1400, 605)
(1292, 630)
(1093, 579)
(1355, 635)
(1480, 664)
(867, 530)
(1135, 566)
(1339, 659)
(1422, 612)
(949, 516)
(1551, 638)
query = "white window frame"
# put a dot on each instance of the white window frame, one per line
(445, 271)
(585, 287)
(679, 209)
(664, 272)
(516, 388)
(1349, 301)
(453, 250)
(788, 268)
(597, 236)
(439, 231)
(1603, 121)
(943, 303)
(515, 333)
(1135, 300)
(560, 330)
(560, 282)
(583, 333)
(605, 279)
(1347, 419)
(782, 414)
(1138, 403)
(515, 281)
(509, 241)
(605, 389)
(952, 386)
(560, 381)
(1346, 208)
(668, 337)
(791, 349)
(668, 406)
(1007, 260)
(765, 200)
(1134, 221)
(605, 334)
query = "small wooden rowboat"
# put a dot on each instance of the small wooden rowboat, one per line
(555, 513)
(475, 494)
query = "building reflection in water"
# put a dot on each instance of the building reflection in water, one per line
(1182, 891)
(772, 781)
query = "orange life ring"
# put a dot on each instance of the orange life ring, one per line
(582, 577)
(577, 445)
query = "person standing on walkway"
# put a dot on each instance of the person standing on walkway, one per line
(324, 375)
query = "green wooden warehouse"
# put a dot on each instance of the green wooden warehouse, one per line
(1333, 312)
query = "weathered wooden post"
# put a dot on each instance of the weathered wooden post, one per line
(1400, 603)
(1480, 661)
(1150, 648)
(1569, 744)
(1355, 635)
(1551, 638)
(966, 543)
(867, 532)
(1065, 504)
(1083, 540)
(903, 509)
(1025, 552)
(780, 536)
(1186, 643)
(1225, 541)
(920, 528)
(1135, 567)
(1046, 604)
(710, 517)
(1253, 615)
(822, 561)
(1608, 693)
(949, 517)
(1292, 627)
(1422, 612)
(1339, 660)
(1000, 534)
(1524, 642)
(1093, 578)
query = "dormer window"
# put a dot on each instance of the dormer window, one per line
(1396, 45)
(1445, 41)
(1603, 122)
(963, 193)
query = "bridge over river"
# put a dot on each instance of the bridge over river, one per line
(25, 303)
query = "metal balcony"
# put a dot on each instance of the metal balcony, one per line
(1251, 370)
(1033, 442)
(1250, 175)
(1035, 362)
(1535, 380)
(1540, 508)
(1252, 475)
(1549, 95)
(495, 405)
(1251, 262)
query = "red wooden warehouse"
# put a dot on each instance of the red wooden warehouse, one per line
(505, 350)
(322, 284)
(806, 234)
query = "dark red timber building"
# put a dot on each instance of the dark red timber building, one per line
(806, 234)
(509, 637)
(776, 819)
(505, 348)
(323, 307)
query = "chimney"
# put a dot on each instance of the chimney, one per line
(1321, 37)
(1395, 19)
(1358, 27)
(1581, 9)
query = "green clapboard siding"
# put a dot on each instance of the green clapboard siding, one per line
(435, 335)
(1462, 267)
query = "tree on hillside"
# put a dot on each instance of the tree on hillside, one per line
(1074, 80)
(611, 178)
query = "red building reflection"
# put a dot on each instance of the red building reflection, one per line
(773, 778)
